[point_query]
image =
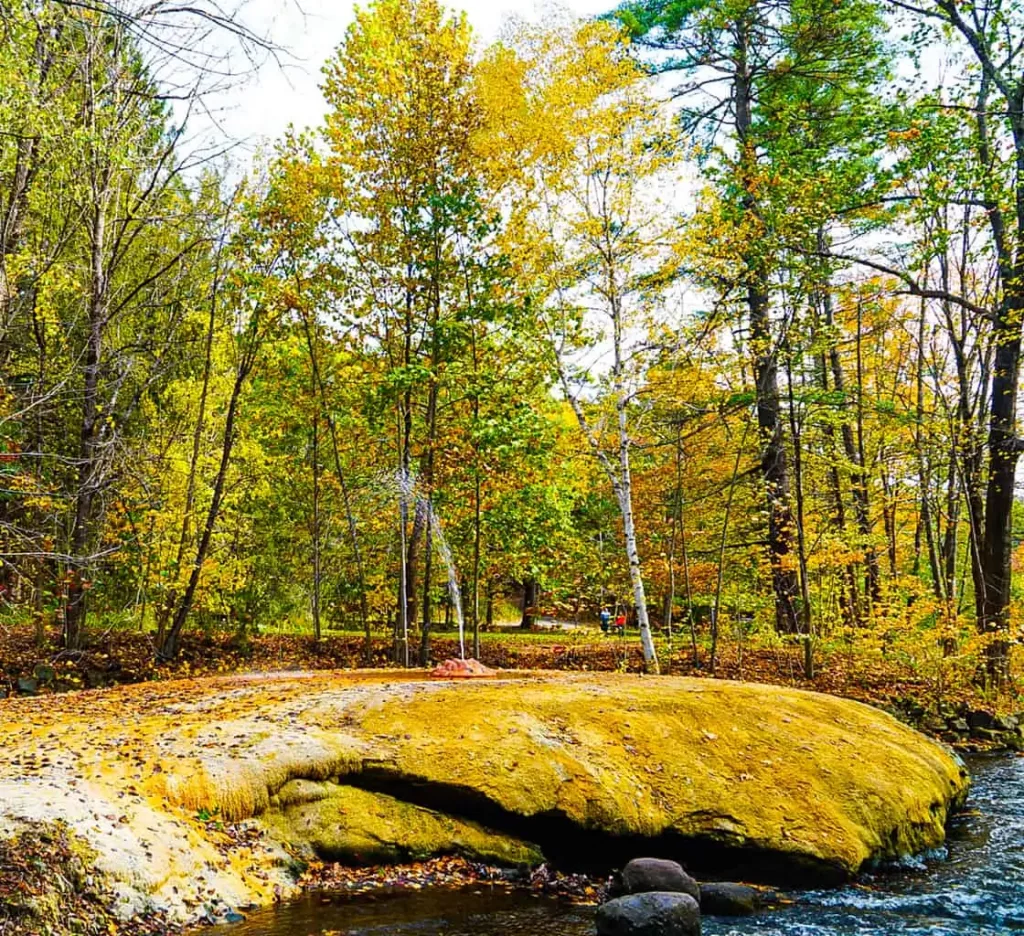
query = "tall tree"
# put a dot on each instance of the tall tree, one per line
(753, 73)
(993, 90)
(590, 144)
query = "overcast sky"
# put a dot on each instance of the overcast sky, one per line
(310, 30)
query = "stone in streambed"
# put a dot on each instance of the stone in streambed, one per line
(655, 913)
(720, 898)
(643, 875)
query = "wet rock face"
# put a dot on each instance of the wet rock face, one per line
(643, 875)
(656, 913)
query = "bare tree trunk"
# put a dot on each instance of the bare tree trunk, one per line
(853, 448)
(476, 566)
(168, 650)
(316, 528)
(889, 520)
(854, 451)
(81, 531)
(401, 641)
(805, 594)
(476, 509)
(774, 466)
(717, 609)
(167, 606)
(251, 341)
(677, 494)
(409, 543)
(924, 468)
(1004, 450)
(950, 540)
(428, 483)
(529, 603)
(339, 471)
(636, 579)
(848, 597)
(428, 566)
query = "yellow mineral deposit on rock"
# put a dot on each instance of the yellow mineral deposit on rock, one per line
(198, 787)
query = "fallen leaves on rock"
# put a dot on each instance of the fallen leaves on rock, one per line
(451, 872)
(46, 889)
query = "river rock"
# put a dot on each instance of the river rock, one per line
(657, 874)
(655, 913)
(44, 673)
(185, 788)
(984, 734)
(719, 898)
(980, 719)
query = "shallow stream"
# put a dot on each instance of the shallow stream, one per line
(973, 887)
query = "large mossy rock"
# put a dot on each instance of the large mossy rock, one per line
(756, 781)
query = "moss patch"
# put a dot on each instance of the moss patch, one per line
(357, 827)
(809, 778)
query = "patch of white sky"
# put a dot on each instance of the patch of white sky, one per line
(285, 91)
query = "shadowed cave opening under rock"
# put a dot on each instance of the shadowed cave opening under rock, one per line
(571, 848)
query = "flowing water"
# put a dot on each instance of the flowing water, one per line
(974, 887)
(454, 595)
(403, 484)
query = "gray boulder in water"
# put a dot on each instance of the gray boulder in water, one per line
(643, 875)
(719, 898)
(655, 913)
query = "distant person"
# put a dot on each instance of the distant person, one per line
(606, 620)
(620, 622)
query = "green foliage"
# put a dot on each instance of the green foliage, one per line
(479, 271)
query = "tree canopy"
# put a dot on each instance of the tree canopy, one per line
(705, 310)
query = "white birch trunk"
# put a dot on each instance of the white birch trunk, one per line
(621, 480)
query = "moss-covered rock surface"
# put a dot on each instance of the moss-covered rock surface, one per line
(197, 796)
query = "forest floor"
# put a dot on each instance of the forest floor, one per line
(121, 656)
